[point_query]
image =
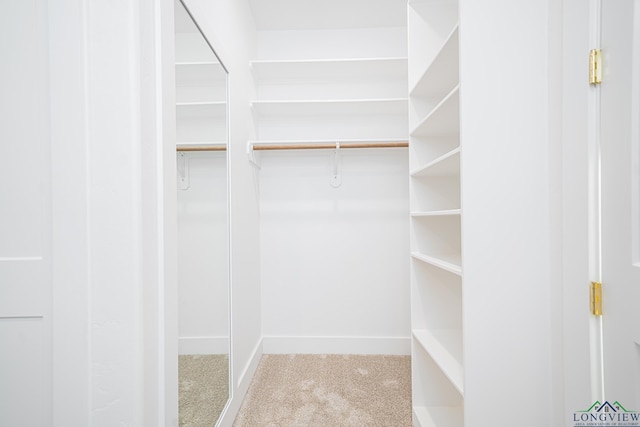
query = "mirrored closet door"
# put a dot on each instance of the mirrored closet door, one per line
(203, 225)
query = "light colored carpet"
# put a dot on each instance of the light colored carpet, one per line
(203, 388)
(328, 391)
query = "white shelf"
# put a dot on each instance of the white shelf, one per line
(216, 64)
(198, 104)
(438, 416)
(207, 73)
(391, 106)
(329, 68)
(447, 212)
(442, 73)
(447, 164)
(445, 348)
(447, 262)
(444, 119)
(202, 109)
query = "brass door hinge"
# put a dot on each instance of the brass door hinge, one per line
(595, 66)
(595, 298)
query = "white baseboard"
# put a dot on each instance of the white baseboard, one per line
(400, 346)
(245, 377)
(203, 345)
(243, 381)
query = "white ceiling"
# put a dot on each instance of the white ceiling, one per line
(328, 14)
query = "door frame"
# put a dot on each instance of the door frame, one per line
(579, 105)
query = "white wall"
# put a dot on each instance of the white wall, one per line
(203, 255)
(108, 270)
(332, 43)
(510, 212)
(335, 260)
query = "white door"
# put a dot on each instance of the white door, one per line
(620, 212)
(25, 224)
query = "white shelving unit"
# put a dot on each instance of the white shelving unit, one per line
(436, 264)
(323, 69)
(338, 99)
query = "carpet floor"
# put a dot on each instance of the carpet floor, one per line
(328, 391)
(203, 391)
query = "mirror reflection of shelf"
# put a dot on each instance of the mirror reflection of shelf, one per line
(192, 47)
(448, 212)
(200, 82)
(201, 121)
(208, 109)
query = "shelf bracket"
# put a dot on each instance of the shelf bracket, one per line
(336, 178)
(183, 171)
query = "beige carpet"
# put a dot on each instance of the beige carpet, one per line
(328, 391)
(203, 389)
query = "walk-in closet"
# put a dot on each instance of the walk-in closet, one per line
(352, 118)
(237, 213)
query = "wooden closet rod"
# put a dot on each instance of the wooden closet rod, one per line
(318, 146)
(201, 148)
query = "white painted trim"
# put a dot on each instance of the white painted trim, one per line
(203, 345)
(230, 411)
(247, 373)
(168, 223)
(576, 371)
(336, 345)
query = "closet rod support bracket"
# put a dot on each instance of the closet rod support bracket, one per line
(184, 180)
(336, 178)
(251, 155)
